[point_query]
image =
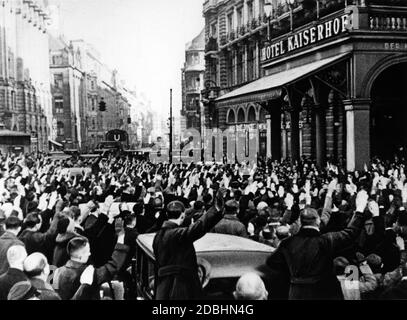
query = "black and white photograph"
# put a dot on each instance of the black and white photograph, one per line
(208, 152)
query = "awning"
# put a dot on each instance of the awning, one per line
(55, 143)
(268, 88)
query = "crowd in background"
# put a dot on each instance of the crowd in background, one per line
(61, 239)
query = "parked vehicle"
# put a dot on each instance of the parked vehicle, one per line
(222, 259)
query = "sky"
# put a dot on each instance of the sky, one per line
(143, 39)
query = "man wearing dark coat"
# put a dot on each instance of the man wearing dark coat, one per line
(175, 253)
(302, 266)
(16, 255)
(9, 239)
(230, 224)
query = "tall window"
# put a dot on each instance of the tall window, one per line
(231, 116)
(13, 100)
(250, 11)
(60, 129)
(250, 64)
(58, 80)
(239, 64)
(229, 69)
(213, 147)
(214, 30)
(225, 146)
(29, 102)
(239, 17)
(241, 116)
(230, 22)
(252, 115)
(59, 105)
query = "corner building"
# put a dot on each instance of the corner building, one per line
(323, 82)
(25, 91)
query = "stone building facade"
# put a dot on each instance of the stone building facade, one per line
(193, 82)
(321, 81)
(25, 93)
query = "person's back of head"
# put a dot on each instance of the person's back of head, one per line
(36, 266)
(175, 210)
(231, 207)
(13, 224)
(282, 232)
(78, 249)
(16, 256)
(158, 203)
(130, 220)
(138, 208)
(250, 287)
(33, 221)
(310, 217)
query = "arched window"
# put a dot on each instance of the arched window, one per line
(252, 115)
(241, 116)
(231, 116)
(60, 128)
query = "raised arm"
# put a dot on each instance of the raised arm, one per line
(341, 239)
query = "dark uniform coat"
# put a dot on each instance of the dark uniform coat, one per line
(176, 258)
(302, 266)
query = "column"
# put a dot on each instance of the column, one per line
(357, 133)
(295, 135)
(276, 142)
(306, 135)
(268, 122)
(339, 126)
(319, 136)
(283, 137)
(329, 117)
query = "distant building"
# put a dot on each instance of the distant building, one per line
(25, 93)
(79, 83)
(68, 90)
(193, 82)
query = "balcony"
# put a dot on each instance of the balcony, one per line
(212, 45)
(388, 20)
(304, 12)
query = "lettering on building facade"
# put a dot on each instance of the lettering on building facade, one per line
(304, 38)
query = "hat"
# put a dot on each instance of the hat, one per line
(309, 216)
(22, 291)
(235, 184)
(373, 260)
(231, 206)
(341, 262)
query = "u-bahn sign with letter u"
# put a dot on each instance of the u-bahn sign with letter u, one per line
(306, 37)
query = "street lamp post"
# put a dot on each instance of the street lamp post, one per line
(208, 96)
(170, 150)
(290, 4)
(267, 4)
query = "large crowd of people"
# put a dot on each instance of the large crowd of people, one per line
(68, 231)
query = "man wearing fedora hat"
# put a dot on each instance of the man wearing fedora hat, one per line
(302, 266)
(175, 253)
